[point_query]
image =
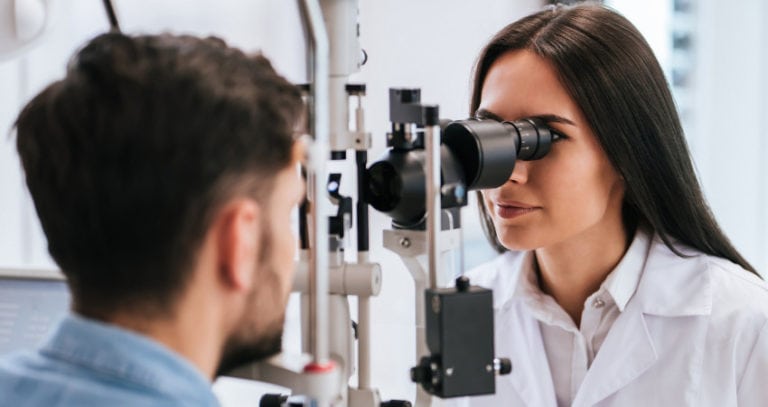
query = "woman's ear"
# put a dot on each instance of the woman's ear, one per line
(239, 242)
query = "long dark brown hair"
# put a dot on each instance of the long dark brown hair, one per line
(611, 73)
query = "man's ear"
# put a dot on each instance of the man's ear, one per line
(239, 241)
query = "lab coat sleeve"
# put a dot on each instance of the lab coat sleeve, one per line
(752, 390)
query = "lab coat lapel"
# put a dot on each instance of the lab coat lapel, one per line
(670, 287)
(627, 352)
(521, 342)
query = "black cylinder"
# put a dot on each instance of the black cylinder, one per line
(396, 186)
(474, 154)
(488, 149)
(361, 160)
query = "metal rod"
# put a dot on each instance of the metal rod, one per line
(434, 223)
(434, 218)
(363, 303)
(114, 26)
(364, 342)
(423, 399)
(361, 158)
(312, 18)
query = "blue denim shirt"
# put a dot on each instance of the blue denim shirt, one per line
(88, 363)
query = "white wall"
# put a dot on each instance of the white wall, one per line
(731, 120)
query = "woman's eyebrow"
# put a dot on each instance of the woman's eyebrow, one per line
(487, 114)
(548, 118)
(553, 118)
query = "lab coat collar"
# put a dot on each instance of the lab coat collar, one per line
(670, 286)
(675, 286)
(505, 277)
(622, 282)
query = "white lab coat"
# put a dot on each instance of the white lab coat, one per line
(695, 333)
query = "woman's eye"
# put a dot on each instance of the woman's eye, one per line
(557, 136)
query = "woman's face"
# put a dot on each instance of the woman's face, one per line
(573, 194)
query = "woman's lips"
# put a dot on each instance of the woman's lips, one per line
(510, 210)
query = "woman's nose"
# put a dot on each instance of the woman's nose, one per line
(520, 172)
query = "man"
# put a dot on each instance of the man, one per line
(163, 170)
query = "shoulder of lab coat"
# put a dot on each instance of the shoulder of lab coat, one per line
(671, 285)
(698, 284)
(735, 303)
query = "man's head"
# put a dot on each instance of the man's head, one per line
(156, 154)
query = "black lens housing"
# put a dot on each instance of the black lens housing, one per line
(474, 154)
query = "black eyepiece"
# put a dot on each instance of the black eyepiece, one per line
(488, 149)
(474, 154)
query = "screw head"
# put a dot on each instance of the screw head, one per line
(405, 242)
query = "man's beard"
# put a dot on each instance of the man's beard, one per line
(251, 343)
(240, 353)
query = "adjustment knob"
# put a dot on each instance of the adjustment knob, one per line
(502, 366)
(420, 374)
(273, 400)
(462, 283)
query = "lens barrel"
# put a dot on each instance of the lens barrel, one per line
(475, 154)
(488, 149)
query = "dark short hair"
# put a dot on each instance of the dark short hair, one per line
(128, 157)
(610, 71)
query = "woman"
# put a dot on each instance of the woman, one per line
(618, 288)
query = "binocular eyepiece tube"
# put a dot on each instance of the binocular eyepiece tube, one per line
(488, 149)
(475, 154)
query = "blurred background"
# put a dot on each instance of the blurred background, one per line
(715, 55)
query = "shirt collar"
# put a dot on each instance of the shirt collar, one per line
(527, 286)
(542, 306)
(621, 283)
(129, 357)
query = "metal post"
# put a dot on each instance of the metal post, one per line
(319, 56)
(434, 218)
